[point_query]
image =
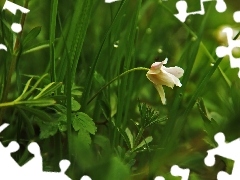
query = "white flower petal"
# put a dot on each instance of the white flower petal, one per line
(160, 75)
(165, 61)
(161, 93)
(156, 64)
(156, 67)
(163, 78)
(174, 80)
(176, 71)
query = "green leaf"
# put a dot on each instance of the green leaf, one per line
(84, 137)
(63, 118)
(130, 137)
(125, 137)
(98, 78)
(76, 92)
(47, 129)
(48, 89)
(36, 47)
(210, 125)
(149, 116)
(60, 108)
(62, 126)
(82, 122)
(27, 123)
(28, 93)
(31, 35)
(25, 89)
(117, 169)
(38, 102)
(75, 38)
(156, 121)
(75, 105)
(144, 142)
(39, 113)
(104, 143)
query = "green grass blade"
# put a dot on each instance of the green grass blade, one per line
(93, 66)
(190, 55)
(75, 38)
(54, 8)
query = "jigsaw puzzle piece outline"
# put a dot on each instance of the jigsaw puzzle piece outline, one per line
(159, 178)
(182, 6)
(177, 171)
(85, 177)
(222, 51)
(221, 6)
(34, 165)
(9, 164)
(226, 150)
(236, 16)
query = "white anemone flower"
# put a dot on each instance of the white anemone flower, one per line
(160, 75)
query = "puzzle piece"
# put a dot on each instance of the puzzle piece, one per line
(236, 16)
(228, 150)
(34, 165)
(32, 169)
(177, 171)
(182, 9)
(85, 178)
(159, 178)
(2, 46)
(5, 156)
(64, 164)
(111, 1)
(12, 7)
(222, 51)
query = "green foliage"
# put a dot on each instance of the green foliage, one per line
(31, 36)
(75, 105)
(33, 97)
(47, 129)
(73, 40)
(211, 126)
(149, 116)
(84, 125)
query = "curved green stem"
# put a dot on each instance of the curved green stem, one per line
(124, 73)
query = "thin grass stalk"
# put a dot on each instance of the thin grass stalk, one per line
(69, 110)
(53, 18)
(92, 68)
(75, 38)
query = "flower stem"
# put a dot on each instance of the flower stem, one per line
(119, 76)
